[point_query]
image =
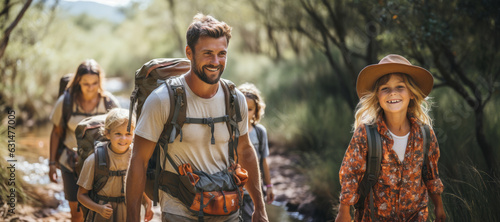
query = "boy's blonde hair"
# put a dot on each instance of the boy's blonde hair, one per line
(368, 108)
(116, 117)
(251, 92)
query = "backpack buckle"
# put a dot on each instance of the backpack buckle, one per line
(372, 177)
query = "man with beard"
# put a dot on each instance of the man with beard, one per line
(207, 43)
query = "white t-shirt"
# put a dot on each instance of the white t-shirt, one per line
(400, 143)
(195, 148)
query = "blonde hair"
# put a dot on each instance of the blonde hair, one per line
(368, 108)
(251, 92)
(116, 117)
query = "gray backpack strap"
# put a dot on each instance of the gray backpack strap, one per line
(67, 111)
(374, 158)
(108, 102)
(426, 135)
(210, 122)
(260, 135)
(133, 100)
(233, 111)
(172, 128)
(101, 171)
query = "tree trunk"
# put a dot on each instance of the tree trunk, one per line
(486, 148)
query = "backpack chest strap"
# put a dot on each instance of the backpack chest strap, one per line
(106, 199)
(117, 173)
(208, 121)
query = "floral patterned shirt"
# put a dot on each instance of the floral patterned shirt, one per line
(401, 193)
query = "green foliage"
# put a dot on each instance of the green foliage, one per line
(5, 177)
(472, 195)
(300, 66)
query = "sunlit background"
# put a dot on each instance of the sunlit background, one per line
(304, 55)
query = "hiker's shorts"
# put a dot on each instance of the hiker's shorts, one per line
(166, 217)
(69, 183)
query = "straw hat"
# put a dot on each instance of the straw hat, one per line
(393, 64)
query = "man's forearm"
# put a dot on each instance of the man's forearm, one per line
(136, 178)
(248, 161)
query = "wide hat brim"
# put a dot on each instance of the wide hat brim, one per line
(393, 64)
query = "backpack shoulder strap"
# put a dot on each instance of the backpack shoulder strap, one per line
(373, 160)
(426, 135)
(171, 129)
(374, 154)
(233, 111)
(101, 170)
(67, 108)
(67, 111)
(108, 102)
(260, 135)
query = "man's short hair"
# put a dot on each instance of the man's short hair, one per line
(206, 25)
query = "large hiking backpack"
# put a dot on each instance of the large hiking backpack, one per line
(146, 76)
(101, 176)
(63, 82)
(147, 79)
(88, 134)
(374, 159)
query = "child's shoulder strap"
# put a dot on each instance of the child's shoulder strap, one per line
(260, 136)
(101, 169)
(373, 160)
(426, 135)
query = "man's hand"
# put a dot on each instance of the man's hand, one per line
(258, 216)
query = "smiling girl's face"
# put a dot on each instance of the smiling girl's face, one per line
(394, 96)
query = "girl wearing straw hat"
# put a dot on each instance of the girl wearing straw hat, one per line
(392, 100)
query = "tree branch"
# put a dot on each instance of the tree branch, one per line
(5, 40)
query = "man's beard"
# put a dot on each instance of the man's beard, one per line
(203, 76)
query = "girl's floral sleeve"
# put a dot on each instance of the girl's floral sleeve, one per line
(431, 176)
(353, 167)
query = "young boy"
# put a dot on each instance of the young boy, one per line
(109, 203)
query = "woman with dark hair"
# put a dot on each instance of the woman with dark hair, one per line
(83, 97)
